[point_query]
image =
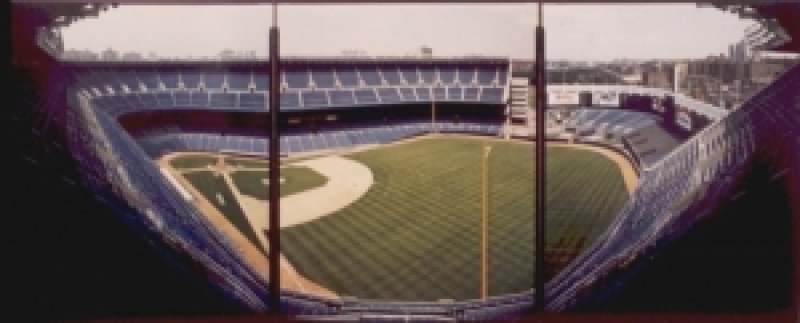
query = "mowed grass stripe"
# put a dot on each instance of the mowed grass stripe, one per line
(415, 235)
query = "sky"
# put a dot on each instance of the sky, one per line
(573, 32)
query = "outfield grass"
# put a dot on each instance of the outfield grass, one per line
(209, 185)
(297, 179)
(192, 161)
(415, 235)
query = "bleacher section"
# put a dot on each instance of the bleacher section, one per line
(302, 89)
(650, 144)
(595, 124)
(638, 133)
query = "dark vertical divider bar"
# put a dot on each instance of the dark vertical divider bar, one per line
(541, 101)
(273, 230)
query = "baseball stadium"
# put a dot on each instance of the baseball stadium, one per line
(402, 188)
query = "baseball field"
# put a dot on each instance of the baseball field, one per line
(415, 234)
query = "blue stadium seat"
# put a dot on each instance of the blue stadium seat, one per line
(255, 101)
(447, 75)
(347, 77)
(391, 76)
(366, 96)
(149, 79)
(213, 79)
(410, 75)
(423, 93)
(389, 95)
(454, 93)
(199, 99)
(486, 76)
(314, 99)
(191, 79)
(297, 79)
(290, 100)
(342, 97)
(223, 100)
(169, 79)
(261, 81)
(165, 99)
(466, 76)
(370, 76)
(239, 81)
(408, 94)
(182, 98)
(439, 93)
(323, 79)
(427, 75)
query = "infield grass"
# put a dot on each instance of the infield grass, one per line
(297, 179)
(415, 235)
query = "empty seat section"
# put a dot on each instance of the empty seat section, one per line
(191, 80)
(297, 79)
(307, 144)
(486, 76)
(319, 142)
(214, 79)
(150, 80)
(223, 100)
(410, 75)
(261, 81)
(148, 100)
(408, 94)
(133, 100)
(252, 101)
(347, 77)
(342, 97)
(370, 77)
(454, 93)
(199, 99)
(165, 99)
(447, 75)
(423, 93)
(314, 98)
(439, 93)
(239, 81)
(182, 98)
(466, 75)
(290, 100)
(391, 76)
(169, 79)
(366, 96)
(502, 77)
(324, 79)
(492, 95)
(427, 75)
(389, 95)
(130, 80)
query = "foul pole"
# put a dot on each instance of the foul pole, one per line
(541, 102)
(273, 230)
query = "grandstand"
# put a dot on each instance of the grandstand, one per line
(109, 121)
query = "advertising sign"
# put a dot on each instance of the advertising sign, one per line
(562, 97)
(605, 98)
